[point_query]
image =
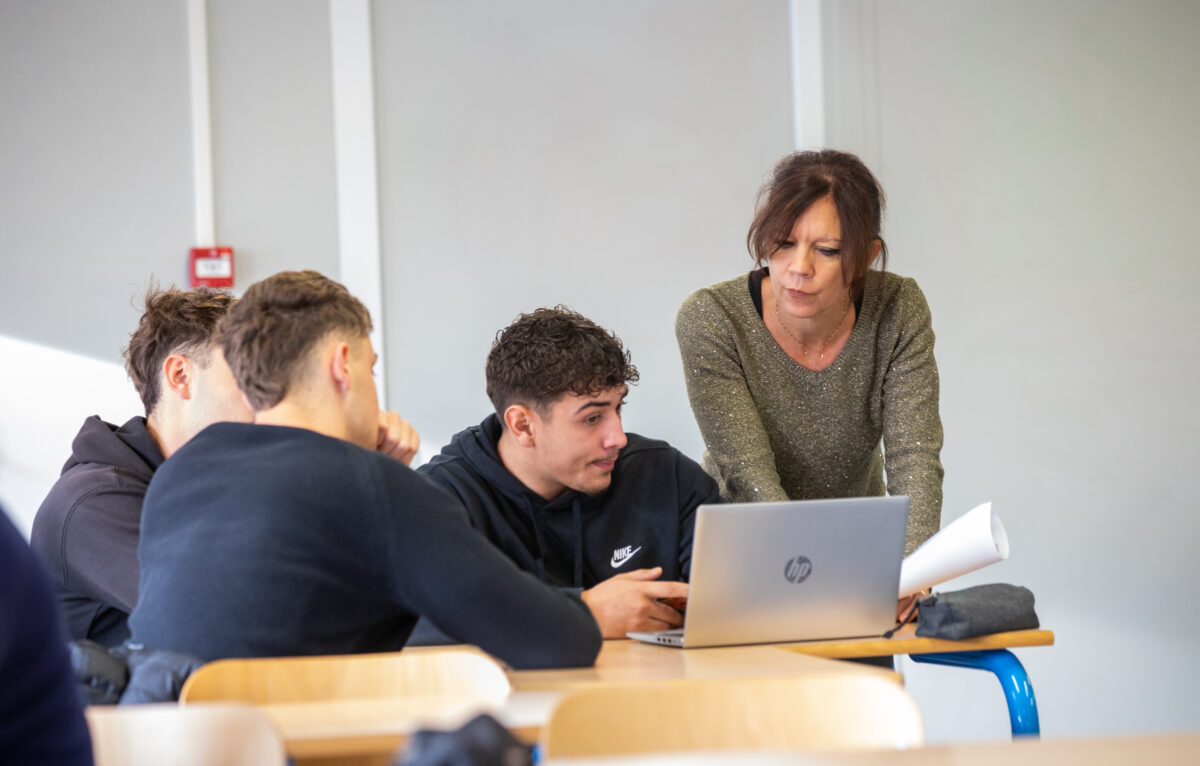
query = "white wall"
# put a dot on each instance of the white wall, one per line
(272, 114)
(536, 152)
(96, 191)
(1041, 161)
(95, 166)
(47, 393)
(95, 156)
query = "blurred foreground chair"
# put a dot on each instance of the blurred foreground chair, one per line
(457, 675)
(856, 712)
(356, 709)
(200, 735)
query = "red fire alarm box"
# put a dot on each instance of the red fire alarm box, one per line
(211, 266)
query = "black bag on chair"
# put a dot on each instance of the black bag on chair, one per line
(976, 611)
(482, 741)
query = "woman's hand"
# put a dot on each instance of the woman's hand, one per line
(908, 602)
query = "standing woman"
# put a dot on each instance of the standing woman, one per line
(801, 370)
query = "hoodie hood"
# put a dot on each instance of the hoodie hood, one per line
(577, 540)
(129, 447)
(477, 445)
(87, 528)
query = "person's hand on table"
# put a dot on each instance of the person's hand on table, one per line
(397, 437)
(630, 601)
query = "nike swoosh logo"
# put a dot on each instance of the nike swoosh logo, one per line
(618, 562)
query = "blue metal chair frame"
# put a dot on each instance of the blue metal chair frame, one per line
(1022, 707)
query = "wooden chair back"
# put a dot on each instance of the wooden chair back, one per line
(832, 712)
(198, 735)
(459, 675)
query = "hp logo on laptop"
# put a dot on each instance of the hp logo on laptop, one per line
(798, 569)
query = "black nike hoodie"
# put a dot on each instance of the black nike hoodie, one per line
(644, 519)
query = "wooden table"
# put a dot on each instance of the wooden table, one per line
(1160, 750)
(905, 641)
(622, 661)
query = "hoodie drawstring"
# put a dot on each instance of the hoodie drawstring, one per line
(577, 524)
(577, 516)
(541, 543)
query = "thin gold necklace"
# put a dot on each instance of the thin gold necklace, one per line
(804, 348)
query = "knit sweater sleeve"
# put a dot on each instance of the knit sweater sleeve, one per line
(739, 449)
(912, 427)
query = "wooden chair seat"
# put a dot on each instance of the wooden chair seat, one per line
(719, 714)
(456, 674)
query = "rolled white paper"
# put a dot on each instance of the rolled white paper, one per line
(970, 542)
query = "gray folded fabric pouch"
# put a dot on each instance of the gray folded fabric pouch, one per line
(976, 611)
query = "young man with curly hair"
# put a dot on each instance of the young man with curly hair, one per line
(555, 482)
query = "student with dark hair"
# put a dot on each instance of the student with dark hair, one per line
(813, 375)
(41, 715)
(295, 535)
(86, 529)
(552, 479)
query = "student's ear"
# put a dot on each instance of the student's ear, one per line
(339, 366)
(519, 421)
(876, 248)
(177, 374)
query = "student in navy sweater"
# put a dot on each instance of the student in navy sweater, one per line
(294, 535)
(87, 528)
(553, 480)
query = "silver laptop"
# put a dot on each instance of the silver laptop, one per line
(794, 571)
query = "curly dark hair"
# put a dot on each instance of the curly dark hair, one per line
(174, 322)
(551, 352)
(268, 335)
(802, 178)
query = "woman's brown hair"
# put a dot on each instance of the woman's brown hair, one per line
(802, 178)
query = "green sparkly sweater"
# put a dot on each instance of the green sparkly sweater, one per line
(776, 430)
